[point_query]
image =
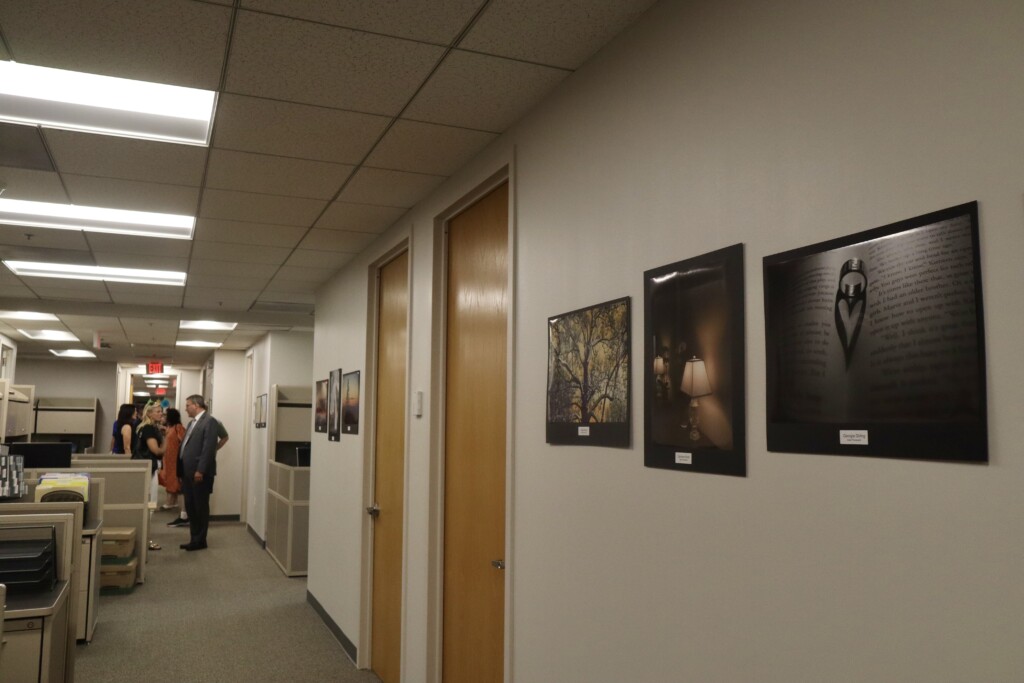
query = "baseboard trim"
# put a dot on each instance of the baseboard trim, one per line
(225, 518)
(347, 645)
(252, 532)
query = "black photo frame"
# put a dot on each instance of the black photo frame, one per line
(350, 403)
(588, 389)
(875, 342)
(334, 406)
(694, 365)
(320, 407)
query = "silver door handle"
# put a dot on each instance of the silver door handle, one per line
(373, 511)
(498, 564)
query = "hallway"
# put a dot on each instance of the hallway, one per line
(224, 615)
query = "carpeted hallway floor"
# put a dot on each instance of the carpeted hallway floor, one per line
(225, 614)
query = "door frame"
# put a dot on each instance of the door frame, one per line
(368, 407)
(438, 394)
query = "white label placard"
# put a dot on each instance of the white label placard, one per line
(684, 458)
(853, 437)
(583, 431)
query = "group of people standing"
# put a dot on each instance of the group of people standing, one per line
(183, 459)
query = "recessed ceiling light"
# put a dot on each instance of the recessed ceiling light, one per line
(49, 335)
(75, 272)
(206, 325)
(73, 353)
(203, 344)
(72, 100)
(95, 219)
(26, 315)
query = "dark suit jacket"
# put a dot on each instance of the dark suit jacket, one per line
(200, 450)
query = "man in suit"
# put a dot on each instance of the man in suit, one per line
(199, 461)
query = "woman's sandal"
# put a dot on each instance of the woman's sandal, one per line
(154, 546)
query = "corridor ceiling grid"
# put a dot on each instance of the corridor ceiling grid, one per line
(334, 117)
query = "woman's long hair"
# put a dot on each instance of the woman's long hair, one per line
(146, 419)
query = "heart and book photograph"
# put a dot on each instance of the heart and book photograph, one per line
(875, 342)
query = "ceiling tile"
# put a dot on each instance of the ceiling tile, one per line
(72, 292)
(150, 260)
(250, 172)
(22, 147)
(427, 148)
(213, 230)
(337, 240)
(129, 194)
(233, 282)
(309, 258)
(279, 286)
(482, 92)
(141, 247)
(36, 186)
(389, 188)
(230, 269)
(125, 158)
(227, 299)
(39, 238)
(242, 253)
(145, 295)
(249, 206)
(140, 329)
(300, 61)
(81, 323)
(278, 296)
(304, 274)
(16, 290)
(294, 130)
(563, 34)
(359, 217)
(175, 41)
(425, 20)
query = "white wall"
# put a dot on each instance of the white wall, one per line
(227, 405)
(777, 125)
(278, 358)
(77, 379)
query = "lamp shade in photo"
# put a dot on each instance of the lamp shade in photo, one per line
(659, 366)
(695, 378)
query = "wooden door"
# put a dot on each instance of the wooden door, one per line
(389, 467)
(474, 481)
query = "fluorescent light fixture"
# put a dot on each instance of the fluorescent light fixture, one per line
(202, 344)
(95, 219)
(206, 325)
(156, 375)
(73, 353)
(69, 271)
(91, 103)
(26, 315)
(49, 335)
(156, 382)
(140, 393)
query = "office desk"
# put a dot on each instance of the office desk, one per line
(89, 579)
(35, 634)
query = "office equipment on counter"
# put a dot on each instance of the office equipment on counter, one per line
(43, 454)
(15, 410)
(63, 486)
(27, 559)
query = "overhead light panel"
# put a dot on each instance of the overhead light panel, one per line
(96, 219)
(140, 393)
(73, 353)
(71, 100)
(49, 335)
(201, 344)
(26, 315)
(75, 272)
(206, 325)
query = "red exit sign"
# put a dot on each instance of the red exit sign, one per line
(155, 367)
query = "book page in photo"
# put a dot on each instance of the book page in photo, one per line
(899, 344)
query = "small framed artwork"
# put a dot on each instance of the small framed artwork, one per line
(334, 406)
(694, 365)
(588, 396)
(320, 410)
(261, 411)
(350, 403)
(875, 342)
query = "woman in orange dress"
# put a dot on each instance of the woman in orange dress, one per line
(169, 472)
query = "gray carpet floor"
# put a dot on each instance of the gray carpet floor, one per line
(223, 614)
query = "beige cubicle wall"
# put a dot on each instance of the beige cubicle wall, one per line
(125, 499)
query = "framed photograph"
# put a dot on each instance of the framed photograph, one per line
(588, 397)
(875, 342)
(261, 411)
(350, 403)
(320, 407)
(334, 406)
(694, 365)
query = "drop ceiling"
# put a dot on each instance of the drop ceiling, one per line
(333, 119)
